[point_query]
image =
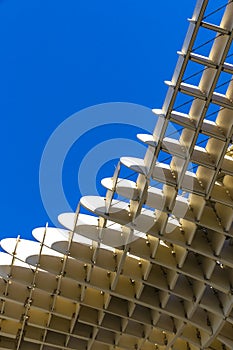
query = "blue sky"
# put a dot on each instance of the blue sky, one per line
(58, 57)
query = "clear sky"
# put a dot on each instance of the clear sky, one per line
(58, 57)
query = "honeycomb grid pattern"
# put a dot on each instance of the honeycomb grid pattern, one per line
(152, 267)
